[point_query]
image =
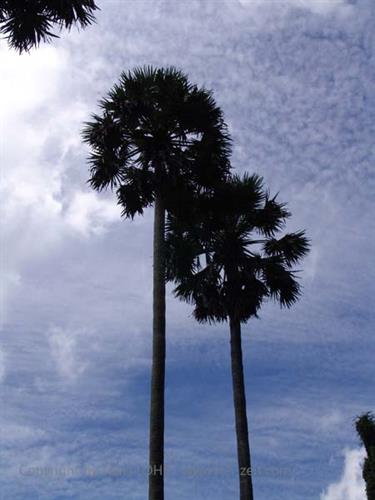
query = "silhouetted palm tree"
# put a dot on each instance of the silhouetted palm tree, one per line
(25, 23)
(157, 138)
(226, 261)
(365, 426)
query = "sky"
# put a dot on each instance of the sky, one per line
(296, 82)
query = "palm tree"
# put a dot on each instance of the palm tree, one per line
(25, 23)
(226, 261)
(365, 425)
(158, 137)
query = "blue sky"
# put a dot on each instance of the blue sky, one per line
(296, 81)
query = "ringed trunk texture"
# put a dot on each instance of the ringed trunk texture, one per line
(156, 456)
(239, 399)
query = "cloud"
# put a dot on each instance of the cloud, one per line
(41, 120)
(351, 485)
(2, 365)
(320, 6)
(63, 345)
(295, 80)
(89, 213)
(22, 81)
(316, 6)
(19, 435)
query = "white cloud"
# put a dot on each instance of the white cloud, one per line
(63, 345)
(329, 421)
(15, 434)
(88, 213)
(22, 85)
(351, 485)
(41, 116)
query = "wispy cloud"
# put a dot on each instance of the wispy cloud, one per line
(2, 365)
(63, 345)
(296, 82)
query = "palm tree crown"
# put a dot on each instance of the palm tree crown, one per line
(228, 262)
(26, 23)
(157, 134)
(365, 426)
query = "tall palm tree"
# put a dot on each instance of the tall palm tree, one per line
(227, 261)
(158, 138)
(365, 425)
(25, 23)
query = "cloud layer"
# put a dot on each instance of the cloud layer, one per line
(296, 82)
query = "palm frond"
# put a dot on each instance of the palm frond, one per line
(110, 152)
(155, 121)
(240, 272)
(137, 191)
(271, 217)
(27, 24)
(182, 255)
(281, 282)
(365, 426)
(292, 247)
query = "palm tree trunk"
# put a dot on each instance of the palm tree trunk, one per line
(156, 471)
(239, 399)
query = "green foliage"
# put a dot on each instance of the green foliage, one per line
(224, 256)
(26, 23)
(365, 425)
(157, 133)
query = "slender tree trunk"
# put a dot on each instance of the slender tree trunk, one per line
(156, 471)
(239, 399)
(369, 475)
